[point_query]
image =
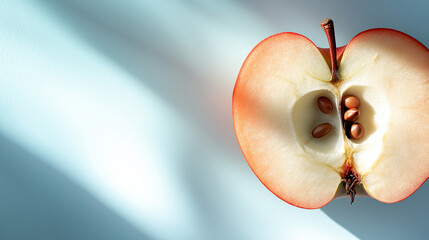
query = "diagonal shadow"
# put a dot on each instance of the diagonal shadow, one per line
(209, 197)
(367, 218)
(38, 202)
(370, 219)
(154, 56)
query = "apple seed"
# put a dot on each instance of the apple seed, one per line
(351, 115)
(357, 131)
(324, 105)
(321, 130)
(351, 101)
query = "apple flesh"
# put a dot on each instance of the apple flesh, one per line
(275, 110)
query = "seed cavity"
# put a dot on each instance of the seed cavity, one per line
(350, 108)
(321, 130)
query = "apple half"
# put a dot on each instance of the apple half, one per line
(275, 111)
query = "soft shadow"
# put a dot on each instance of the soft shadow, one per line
(210, 198)
(157, 57)
(370, 219)
(130, 44)
(38, 202)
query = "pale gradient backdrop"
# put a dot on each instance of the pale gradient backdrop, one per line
(115, 121)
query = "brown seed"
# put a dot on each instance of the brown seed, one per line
(351, 101)
(321, 130)
(357, 131)
(324, 105)
(351, 115)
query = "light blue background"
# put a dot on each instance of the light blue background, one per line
(115, 121)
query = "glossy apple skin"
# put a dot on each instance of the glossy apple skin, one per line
(326, 55)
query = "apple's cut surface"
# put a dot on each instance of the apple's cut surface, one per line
(373, 140)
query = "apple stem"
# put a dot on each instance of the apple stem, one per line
(328, 26)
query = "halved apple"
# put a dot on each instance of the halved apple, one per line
(275, 110)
